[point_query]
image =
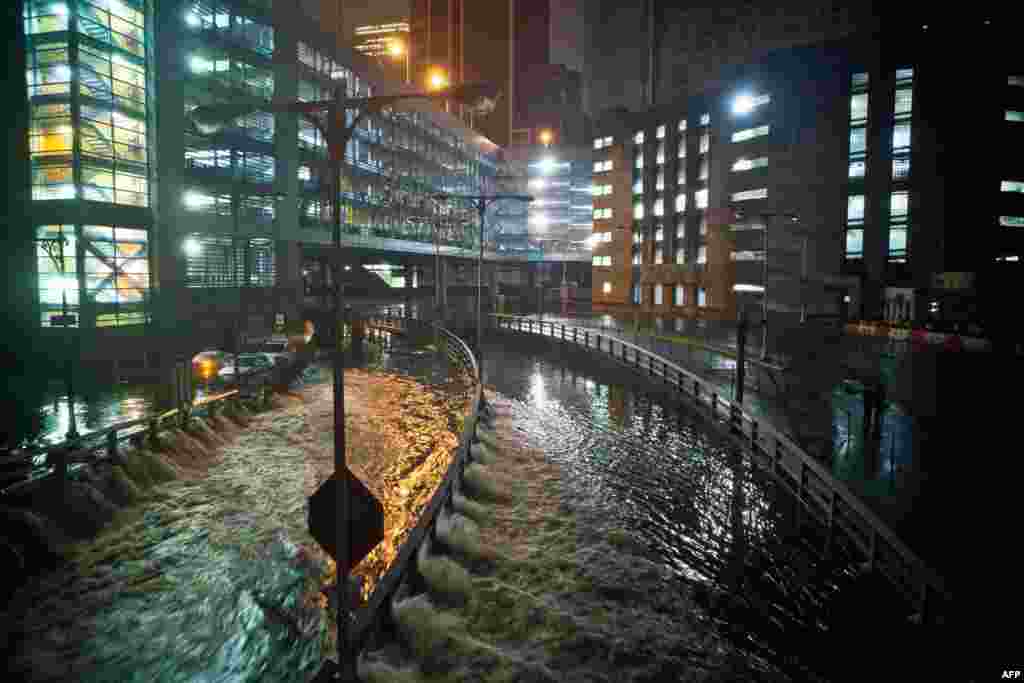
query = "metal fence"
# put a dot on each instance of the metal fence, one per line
(843, 516)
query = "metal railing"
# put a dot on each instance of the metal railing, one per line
(403, 576)
(818, 491)
(67, 457)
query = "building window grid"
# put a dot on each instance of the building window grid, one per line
(854, 248)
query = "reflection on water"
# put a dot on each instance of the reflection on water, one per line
(638, 463)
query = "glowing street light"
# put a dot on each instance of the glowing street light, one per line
(743, 104)
(547, 165)
(438, 80)
(545, 137)
(192, 247)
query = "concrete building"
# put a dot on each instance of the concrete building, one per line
(861, 142)
(179, 238)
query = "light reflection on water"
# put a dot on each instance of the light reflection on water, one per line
(637, 463)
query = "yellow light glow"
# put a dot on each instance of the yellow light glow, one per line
(545, 137)
(438, 80)
(396, 49)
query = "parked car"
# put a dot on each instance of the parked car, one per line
(247, 364)
(279, 351)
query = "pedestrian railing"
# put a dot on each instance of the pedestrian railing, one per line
(64, 458)
(832, 503)
(403, 577)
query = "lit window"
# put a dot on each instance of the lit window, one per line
(659, 234)
(638, 238)
(900, 167)
(659, 183)
(859, 80)
(1011, 186)
(638, 210)
(606, 237)
(659, 157)
(750, 133)
(637, 259)
(702, 254)
(681, 177)
(659, 292)
(761, 193)
(682, 125)
(855, 243)
(638, 161)
(1017, 81)
(855, 208)
(659, 255)
(901, 136)
(681, 229)
(598, 166)
(598, 143)
(638, 294)
(702, 170)
(747, 256)
(680, 255)
(638, 186)
(859, 108)
(1016, 116)
(703, 225)
(858, 168)
(659, 207)
(705, 119)
(744, 104)
(898, 242)
(858, 140)
(705, 142)
(661, 131)
(700, 199)
(702, 297)
(638, 137)
(904, 75)
(898, 204)
(682, 148)
(606, 288)
(602, 260)
(680, 295)
(904, 102)
(1011, 221)
(681, 202)
(742, 164)
(608, 141)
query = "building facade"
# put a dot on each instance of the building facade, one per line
(840, 159)
(166, 231)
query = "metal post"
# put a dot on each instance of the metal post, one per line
(741, 357)
(764, 293)
(346, 659)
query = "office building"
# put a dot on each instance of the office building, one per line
(171, 234)
(849, 158)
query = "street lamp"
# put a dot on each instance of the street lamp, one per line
(545, 137)
(480, 202)
(54, 247)
(739, 214)
(211, 119)
(397, 49)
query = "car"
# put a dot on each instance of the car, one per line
(247, 364)
(278, 350)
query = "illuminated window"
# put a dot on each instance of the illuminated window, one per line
(897, 242)
(898, 204)
(859, 108)
(606, 287)
(638, 137)
(659, 157)
(661, 131)
(681, 229)
(602, 260)
(705, 119)
(659, 292)
(1011, 186)
(904, 102)
(855, 243)
(659, 207)
(659, 234)
(742, 164)
(1015, 116)
(55, 288)
(702, 170)
(682, 125)
(761, 193)
(700, 199)
(705, 142)
(750, 133)
(702, 297)
(682, 148)
(702, 254)
(855, 208)
(638, 186)
(637, 259)
(680, 296)
(858, 168)
(901, 137)
(680, 255)
(638, 210)
(703, 230)
(681, 202)
(858, 140)
(1011, 221)
(638, 294)
(638, 160)
(681, 177)
(659, 255)
(659, 183)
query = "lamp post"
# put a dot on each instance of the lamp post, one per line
(210, 120)
(397, 49)
(480, 202)
(54, 247)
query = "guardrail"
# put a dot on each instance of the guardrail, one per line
(829, 500)
(68, 456)
(370, 621)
